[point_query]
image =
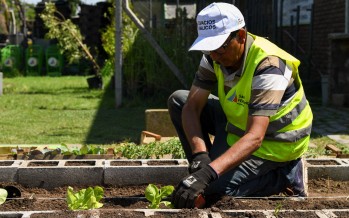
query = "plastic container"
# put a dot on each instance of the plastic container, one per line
(33, 60)
(11, 60)
(54, 61)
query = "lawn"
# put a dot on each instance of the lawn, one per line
(55, 110)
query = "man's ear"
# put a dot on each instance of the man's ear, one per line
(241, 35)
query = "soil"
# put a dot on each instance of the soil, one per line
(125, 163)
(322, 162)
(80, 163)
(41, 164)
(323, 194)
(162, 162)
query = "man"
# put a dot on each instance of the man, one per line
(261, 120)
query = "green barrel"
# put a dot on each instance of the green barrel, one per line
(11, 60)
(54, 61)
(34, 58)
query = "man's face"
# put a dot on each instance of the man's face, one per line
(233, 51)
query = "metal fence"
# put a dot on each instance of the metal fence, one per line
(175, 35)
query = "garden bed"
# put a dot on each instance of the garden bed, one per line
(124, 201)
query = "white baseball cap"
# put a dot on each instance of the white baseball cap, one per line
(214, 25)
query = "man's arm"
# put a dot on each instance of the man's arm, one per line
(196, 101)
(242, 149)
(192, 186)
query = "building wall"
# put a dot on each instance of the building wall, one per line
(329, 17)
(313, 47)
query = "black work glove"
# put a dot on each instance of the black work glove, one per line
(200, 159)
(192, 186)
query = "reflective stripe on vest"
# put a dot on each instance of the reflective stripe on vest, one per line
(290, 136)
(287, 119)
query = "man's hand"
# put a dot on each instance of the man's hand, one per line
(191, 186)
(200, 159)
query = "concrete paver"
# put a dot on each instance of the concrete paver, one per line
(332, 122)
(343, 139)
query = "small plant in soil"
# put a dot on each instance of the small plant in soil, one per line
(155, 195)
(85, 199)
(152, 150)
(85, 149)
(277, 209)
(3, 195)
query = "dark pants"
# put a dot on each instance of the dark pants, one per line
(253, 177)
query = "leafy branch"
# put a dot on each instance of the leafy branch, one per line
(67, 34)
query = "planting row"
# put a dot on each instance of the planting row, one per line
(137, 213)
(139, 201)
(171, 149)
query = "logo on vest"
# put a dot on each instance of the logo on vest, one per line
(207, 25)
(239, 99)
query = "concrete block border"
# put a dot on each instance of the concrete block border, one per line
(9, 170)
(136, 172)
(55, 173)
(333, 168)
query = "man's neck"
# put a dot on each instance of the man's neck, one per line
(237, 65)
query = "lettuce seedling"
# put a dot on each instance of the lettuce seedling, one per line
(155, 195)
(85, 199)
(3, 195)
(85, 149)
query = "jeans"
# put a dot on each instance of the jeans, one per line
(254, 177)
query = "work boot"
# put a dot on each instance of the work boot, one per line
(297, 179)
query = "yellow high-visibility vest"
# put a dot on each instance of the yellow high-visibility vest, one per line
(288, 134)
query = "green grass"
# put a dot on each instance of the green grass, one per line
(320, 143)
(55, 110)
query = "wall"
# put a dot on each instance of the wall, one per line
(339, 69)
(329, 17)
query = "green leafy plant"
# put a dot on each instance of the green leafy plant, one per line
(85, 149)
(155, 195)
(140, 75)
(152, 150)
(3, 195)
(129, 33)
(85, 199)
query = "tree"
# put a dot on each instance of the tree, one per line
(68, 36)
